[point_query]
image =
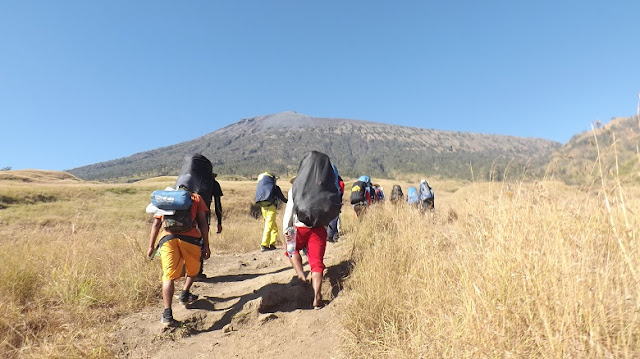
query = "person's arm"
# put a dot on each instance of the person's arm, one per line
(218, 210)
(287, 218)
(201, 218)
(155, 228)
(279, 195)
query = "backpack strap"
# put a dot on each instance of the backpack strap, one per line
(188, 239)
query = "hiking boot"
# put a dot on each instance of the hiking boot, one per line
(187, 297)
(167, 317)
(272, 247)
(201, 276)
(264, 249)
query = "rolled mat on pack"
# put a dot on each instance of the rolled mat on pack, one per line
(171, 200)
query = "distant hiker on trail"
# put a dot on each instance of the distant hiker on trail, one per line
(379, 193)
(200, 170)
(332, 228)
(182, 234)
(361, 195)
(267, 196)
(314, 200)
(413, 198)
(396, 194)
(426, 196)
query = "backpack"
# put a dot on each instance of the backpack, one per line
(358, 192)
(197, 174)
(316, 199)
(396, 193)
(412, 196)
(180, 221)
(179, 202)
(265, 190)
(425, 191)
(379, 194)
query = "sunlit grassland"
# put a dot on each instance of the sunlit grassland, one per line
(503, 269)
(73, 259)
(499, 270)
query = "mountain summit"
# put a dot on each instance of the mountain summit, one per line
(277, 142)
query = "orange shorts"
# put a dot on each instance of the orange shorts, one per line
(176, 252)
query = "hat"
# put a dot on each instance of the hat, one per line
(423, 180)
(292, 179)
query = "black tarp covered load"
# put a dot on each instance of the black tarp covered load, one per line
(315, 196)
(197, 172)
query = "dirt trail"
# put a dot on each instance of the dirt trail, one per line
(249, 307)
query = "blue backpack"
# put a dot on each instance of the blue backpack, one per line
(412, 196)
(425, 191)
(265, 190)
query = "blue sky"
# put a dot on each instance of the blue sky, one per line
(88, 81)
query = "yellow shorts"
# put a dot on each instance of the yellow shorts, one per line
(176, 252)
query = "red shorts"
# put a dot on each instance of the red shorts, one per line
(315, 239)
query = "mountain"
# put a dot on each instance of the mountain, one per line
(576, 161)
(277, 142)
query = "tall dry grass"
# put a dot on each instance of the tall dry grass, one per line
(526, 270)
(74, 259)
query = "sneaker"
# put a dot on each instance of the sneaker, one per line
(167, 317)
(264, 249)
(272, 247)
(187, 298)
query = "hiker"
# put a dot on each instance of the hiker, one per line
(180, 247)
(379, 193)
(426, 196)
(332, 228)
(267, 196)
(413, 199)
(361, 195)
(216, 193)
(200, 169)
(396, 194)
(314, 200)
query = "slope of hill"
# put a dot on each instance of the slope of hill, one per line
(576, 162)
(277, 142)
(37, 176)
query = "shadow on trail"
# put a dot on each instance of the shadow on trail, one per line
(239, 277)
(337, 274)
(279, 297)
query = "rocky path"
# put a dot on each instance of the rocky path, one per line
(249, 307)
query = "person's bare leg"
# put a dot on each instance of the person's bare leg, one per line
(316, 283)
(167, 293)
(296, 263)
(188, 282)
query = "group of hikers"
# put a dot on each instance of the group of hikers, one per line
(364, 193)
(421, 197)
(311, 219)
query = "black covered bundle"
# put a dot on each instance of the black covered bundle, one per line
(197, 172)
(315, 195)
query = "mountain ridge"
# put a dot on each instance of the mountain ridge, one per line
(277, 142)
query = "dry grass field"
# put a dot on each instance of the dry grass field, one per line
(535, 269)
(73, 258)
(525, 270)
